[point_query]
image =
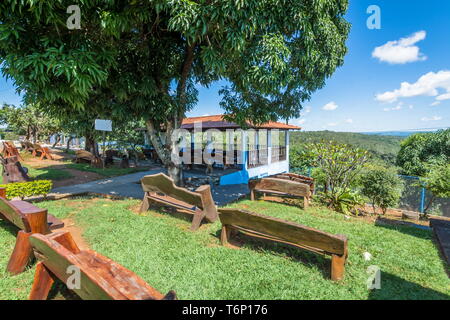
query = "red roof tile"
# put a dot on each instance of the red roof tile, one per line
(217, 122)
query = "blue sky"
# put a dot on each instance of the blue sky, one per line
(366, 94)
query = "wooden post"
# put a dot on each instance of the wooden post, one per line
(225, 234)
(145, 204)
(337, 267)
(3, 193)
(42, 284)
(305, 202)
(21, 255)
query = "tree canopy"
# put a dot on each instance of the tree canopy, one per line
(418, 151)
(146, 58)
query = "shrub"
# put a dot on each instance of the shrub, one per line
(383, 187)
(27, 189)
(345, 201)
(437, 181)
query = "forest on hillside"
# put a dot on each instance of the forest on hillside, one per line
(381, 147)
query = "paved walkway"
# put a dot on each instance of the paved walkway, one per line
(129, 186)
(441, 228)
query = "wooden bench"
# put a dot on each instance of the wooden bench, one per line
(29, 219)
(10, 150)
(297, 178)
(286, 232)
(280, 187)
(27, 146)
(83, 156)
(161, 189)
(44, 151)
(100, 278)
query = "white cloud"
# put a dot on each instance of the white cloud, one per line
(443, 97)
(349, 120)
(436, 103)
(397, 108)
(434, 118)
(332, 124)
(401, 51)
(411, 106)
(301, 121)
(427, 85)
(330, 106)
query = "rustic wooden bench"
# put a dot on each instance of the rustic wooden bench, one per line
(44, 151)
(100, 278)
(27, 146)
(289, 233)
(83, 156)
(280, 187)
(161, 189)
(10, 150)
(297, 178)
(29, 219)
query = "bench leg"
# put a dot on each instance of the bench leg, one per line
(21, 255)
(252, 195)
(337, 267)
(42, 284)
(225, 234)
(145, 204)
(305, 202)
(197, 220)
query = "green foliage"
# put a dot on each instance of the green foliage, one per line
(344, 201)
(144, 60)
(382, 148)
(421, 149)
(27, 189)
(437, 180)
(383, 187)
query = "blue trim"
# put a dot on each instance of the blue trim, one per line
(422, 201)
(239, 177)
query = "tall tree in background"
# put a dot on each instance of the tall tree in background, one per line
(146, 57)
(422, 149)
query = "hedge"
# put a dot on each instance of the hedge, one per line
(27, 189)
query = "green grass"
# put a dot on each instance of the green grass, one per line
(46, 173)
(107, 172)
(160, 248)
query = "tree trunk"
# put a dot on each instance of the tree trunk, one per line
(91, 145)
(68, 144)
(57, 140)
(164, 149)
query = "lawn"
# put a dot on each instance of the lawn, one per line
(160, 248)
(106, 172)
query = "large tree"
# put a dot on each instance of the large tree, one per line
(146, 58)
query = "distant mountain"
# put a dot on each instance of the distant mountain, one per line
(382, 146)
(395, 133)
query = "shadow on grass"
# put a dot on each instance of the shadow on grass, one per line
(410, 229)
(396, 288)
(310, 259)
(9, 227)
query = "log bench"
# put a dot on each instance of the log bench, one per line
(30, 220)
(162, 190)
(280, 187)
(100, 278)
(44, 151)
(10, 150)
(286, 232)
(297, 178)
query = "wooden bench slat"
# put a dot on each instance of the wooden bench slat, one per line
(100, 277)
(285, 230)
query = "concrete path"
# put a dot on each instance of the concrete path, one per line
(129, 186)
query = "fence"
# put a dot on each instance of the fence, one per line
(417, 198)
(414, 197)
